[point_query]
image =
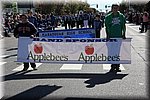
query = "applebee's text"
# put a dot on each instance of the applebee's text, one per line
(47, 57)
(96, 57)
(86, 52)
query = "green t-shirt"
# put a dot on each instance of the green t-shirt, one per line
(115, 25)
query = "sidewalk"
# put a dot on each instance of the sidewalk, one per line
(139, 43)
(134, 27)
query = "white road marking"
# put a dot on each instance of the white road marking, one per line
(30, 68)
(71, 67)
(137, 30)
(1, 63)
(141, 83)
(142, 33)
(133, 27)
(108, 67)
(3, 56)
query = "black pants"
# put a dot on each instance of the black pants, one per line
(90, 23)
(97, 32)
(144, 26)
(69, 24)
(77, 24)
(65, 24)
(26, 65)
(81, 23)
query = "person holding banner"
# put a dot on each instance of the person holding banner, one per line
(115, 28)
(25, 29)
(97, 25)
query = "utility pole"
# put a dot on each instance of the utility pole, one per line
(129, 5)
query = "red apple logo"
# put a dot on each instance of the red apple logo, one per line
(89, 50)
(38, 48)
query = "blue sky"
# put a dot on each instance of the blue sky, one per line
(102, 3)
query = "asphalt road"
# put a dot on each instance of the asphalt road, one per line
(79, 81)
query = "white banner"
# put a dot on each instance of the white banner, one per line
(74, 50)
(72, 33)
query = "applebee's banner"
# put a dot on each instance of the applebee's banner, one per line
(69, 33)
(74, 50)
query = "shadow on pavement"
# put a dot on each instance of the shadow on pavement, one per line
(35, 93)
(12, 49)
(102, 79)
(9, 56)
(94, 78)
(43, 90)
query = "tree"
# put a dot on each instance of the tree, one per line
(60, 8)
(123, 7)
(70, 7)
(147, 7)
(138, 7)
(6, 5)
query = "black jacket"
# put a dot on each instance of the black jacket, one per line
(25, 30)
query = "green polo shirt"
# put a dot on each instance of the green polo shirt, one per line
(115, 25)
